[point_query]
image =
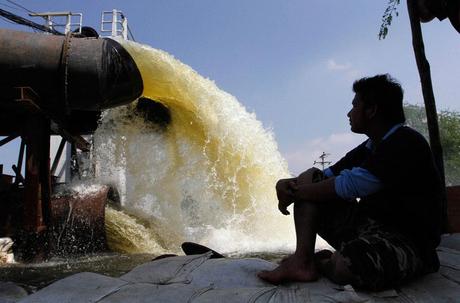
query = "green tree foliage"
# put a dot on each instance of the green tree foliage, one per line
(449, 128)
(387, 17)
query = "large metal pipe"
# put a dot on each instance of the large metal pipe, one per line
(68, 73)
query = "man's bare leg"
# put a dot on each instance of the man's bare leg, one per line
(300, 266)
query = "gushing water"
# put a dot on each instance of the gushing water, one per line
(209, 177)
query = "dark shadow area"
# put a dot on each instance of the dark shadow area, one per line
(153, 112)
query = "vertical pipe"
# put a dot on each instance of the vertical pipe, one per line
(36, 211)
(21, 154)
(125, 28)
(74, 164)
(67, 24)
(114, 23)
(18, 168)
(80, 23)
(45, 175)
(57, 158)
(49, 23)
(33, 215)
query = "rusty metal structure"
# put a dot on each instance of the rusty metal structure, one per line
(52, 85)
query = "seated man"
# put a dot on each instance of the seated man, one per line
(387, 236)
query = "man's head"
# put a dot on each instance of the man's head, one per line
(378, 99)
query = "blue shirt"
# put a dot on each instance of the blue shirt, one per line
(358, 182)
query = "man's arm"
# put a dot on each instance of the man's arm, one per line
(356, 183)
(348, 185)
(295, 190)
(314, 192)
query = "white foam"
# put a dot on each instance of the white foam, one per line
(209, 178)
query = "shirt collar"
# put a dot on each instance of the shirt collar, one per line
(389, 133)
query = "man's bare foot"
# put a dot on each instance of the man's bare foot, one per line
(323, 256)
(320, 256)
(293, 269)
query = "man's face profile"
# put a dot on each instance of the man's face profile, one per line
(357, 115)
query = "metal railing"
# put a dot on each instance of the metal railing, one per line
(71, 22)
(117, 21)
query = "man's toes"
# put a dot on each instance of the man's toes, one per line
(268, 276)
(262, 274)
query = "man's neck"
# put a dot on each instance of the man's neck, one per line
(377, 133)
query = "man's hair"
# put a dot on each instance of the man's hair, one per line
(385, 92)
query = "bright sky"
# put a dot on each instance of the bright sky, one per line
(291, 62)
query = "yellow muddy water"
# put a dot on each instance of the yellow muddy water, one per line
(208, 178)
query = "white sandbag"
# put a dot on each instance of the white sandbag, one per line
(199, 279)
(431, 288)
(230, 273)
(236, 295)
(167, 270)
(148, 293)
(82, 287)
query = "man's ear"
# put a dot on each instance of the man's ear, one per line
(371, 111)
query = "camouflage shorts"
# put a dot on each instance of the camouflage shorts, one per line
(380, 257)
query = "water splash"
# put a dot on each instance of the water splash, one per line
(209, 177)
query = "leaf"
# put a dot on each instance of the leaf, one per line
(387, 18)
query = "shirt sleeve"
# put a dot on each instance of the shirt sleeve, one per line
(356, 183)
(353, 158)
(328, 172)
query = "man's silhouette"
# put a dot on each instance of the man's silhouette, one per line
(379, 206)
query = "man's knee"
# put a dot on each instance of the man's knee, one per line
(312, 175)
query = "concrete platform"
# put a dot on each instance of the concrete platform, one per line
(198, 278)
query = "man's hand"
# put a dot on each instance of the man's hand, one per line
(309, 176)
(285, 194)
